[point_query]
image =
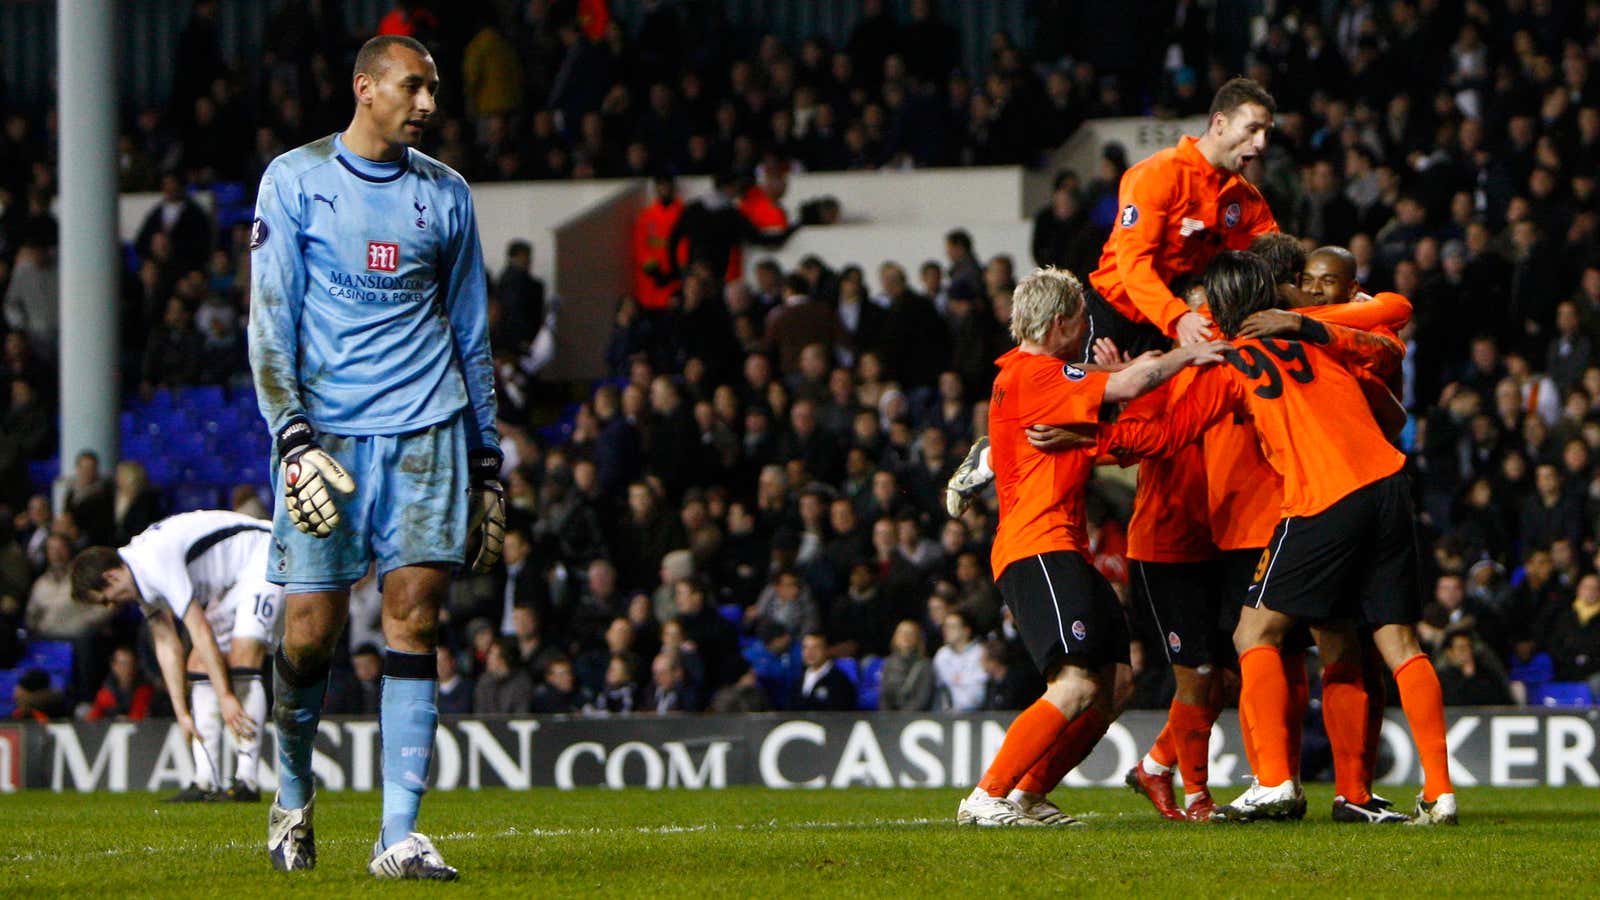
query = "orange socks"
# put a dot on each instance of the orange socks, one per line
(1424, 707)
(1248, 734)
(1030, 738)
(1165, 750)
(1372, 672)
(1265, 697)
(1344, 713)
(1077, 741)
(1294, 672)
(1191, 731)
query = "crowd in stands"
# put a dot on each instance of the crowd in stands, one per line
(745, 514)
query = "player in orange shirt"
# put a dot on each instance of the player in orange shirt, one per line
(1180, 208)
(1345, 546)
(1068, 616)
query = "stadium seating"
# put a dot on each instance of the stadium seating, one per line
(1561, 693)
(871, 684)
(733, 612)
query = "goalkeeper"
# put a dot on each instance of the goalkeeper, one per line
(369, 345)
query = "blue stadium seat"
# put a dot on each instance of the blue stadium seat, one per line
(189, 497)
(733, 612)
(228, 192)
(42, 473)
(207, 397)
(871, 683)
(51, 656)
(8, 687)
(1561, 693)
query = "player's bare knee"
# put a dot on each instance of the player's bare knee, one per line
(1194, 683)
(1397, 643)
(1071, 690)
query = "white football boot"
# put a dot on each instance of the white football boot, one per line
(991, 812)
(413, 858)
(1440, 812)
(1259, 803)
(1041, 810)
(291, 842)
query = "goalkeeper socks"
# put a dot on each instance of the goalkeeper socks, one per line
(1423, 703)
(408, 717)
(1029, 739)
(1372, 672)
(208, 722)
(1077, 741)
(253, 696)
(1266, 696)
(1294, 672)
(298, 694)
(1191, 731)
(1344, 714)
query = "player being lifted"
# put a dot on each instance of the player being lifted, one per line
(369, 345)
(1066, 612)
(208, 570)
(1344, 548)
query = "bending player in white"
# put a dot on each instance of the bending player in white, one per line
(209, 570)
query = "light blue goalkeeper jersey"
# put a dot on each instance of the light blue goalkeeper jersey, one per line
(368, 308)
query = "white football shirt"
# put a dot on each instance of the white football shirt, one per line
(195, 556)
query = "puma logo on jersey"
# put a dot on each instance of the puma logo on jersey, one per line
(327, 200)
(1191, 226)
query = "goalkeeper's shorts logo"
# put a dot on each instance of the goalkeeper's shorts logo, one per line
(1261, 565)
(258, 232)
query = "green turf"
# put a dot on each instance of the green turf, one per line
(750, 842)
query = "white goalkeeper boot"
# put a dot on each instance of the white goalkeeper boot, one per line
(968, 479)
(291, 842)
(413, 859)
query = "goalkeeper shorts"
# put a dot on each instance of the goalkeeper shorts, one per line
(409, 508)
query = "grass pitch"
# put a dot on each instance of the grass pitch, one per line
(751, 842)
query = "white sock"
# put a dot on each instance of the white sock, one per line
(983, 464)
(207, 715)
(254, 697)
(1151, 767)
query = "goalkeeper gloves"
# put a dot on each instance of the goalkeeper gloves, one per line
(307, 473)
(487, 524)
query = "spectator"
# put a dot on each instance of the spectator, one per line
(173, 350)
(1570, 350)
(136, 505)
(455, 689)
(126, 693)
(1062, 235)
(621, 691)
(1467, 680)
(89, 499)
(670, 690)
(959, 675)
(360, 695)
(35, 698)
(51, 613)
(858, 623)
(1573, 635)
(504, 688)
(1550, 514)
(1007, 688)
(533, 652)
(491, 75)
(823, 686)
(31, 297)
(787, 603)
(522, 300)
(25, 435)
(653, 284)
(558, 690)
(907, 673)
(800, 322)
(181, 221)
(743, 695)
(523, 583)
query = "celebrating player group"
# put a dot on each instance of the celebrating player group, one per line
(1251, 380)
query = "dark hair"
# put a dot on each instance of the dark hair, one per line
(797, 283)
(1238, 91)
(1238, 283)
(88, 572)
(1283, 254)
(373, 57)
(960, 238)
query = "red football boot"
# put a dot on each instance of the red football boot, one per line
(1157, 789)
(1201, 807)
